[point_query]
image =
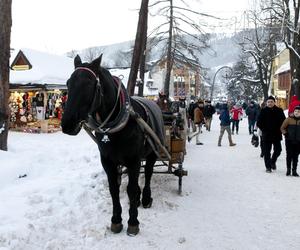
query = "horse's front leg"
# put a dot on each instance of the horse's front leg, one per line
(114, 189)
(133, 192)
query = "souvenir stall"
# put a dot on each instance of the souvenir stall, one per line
(38, 91)
(36, 110)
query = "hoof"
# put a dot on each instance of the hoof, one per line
(116, 228)
(133, 230)
(149, 204)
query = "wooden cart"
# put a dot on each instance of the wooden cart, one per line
(176, 146)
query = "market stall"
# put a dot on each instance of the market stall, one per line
(38, 91)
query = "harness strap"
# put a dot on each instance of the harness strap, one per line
(113, 110)
(87, 69)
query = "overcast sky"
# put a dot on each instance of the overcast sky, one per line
(58, 26)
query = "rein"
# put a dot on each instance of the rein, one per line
(94, 123)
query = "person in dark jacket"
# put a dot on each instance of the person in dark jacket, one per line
(269, 122)
(251, 112)
(290, 128)
(225, 125)
(208, 112)
(191, 109)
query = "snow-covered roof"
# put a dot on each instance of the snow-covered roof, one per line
(123, 74)
(46, 68)
(283, 68)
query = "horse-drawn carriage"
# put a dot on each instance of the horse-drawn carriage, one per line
(119, 124)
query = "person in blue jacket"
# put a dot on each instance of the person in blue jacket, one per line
(225, 125)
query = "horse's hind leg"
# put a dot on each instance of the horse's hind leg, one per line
(150, 161)
(132, 191)
(114, 188)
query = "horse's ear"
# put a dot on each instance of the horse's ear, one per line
(77, 61)
(96, 63)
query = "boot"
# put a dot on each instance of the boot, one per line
(231, 142)
(219, 142)
(273, 166)
(295, 173)
(288, 172)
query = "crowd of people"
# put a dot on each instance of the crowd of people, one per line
(267, 122)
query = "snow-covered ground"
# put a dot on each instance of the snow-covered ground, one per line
(228, 200)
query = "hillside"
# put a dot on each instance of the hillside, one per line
(223, 50)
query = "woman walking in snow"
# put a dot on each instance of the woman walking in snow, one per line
(290, 128)
(236, 115)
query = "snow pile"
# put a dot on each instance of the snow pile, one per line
(54, 195)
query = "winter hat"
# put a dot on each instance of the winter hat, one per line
(297, 107)
(271, 98)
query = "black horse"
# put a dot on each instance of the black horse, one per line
(99, 102)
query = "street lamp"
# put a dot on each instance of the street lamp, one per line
(227, 74)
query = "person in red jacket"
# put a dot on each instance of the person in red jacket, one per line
(294, 103)
(236, 115)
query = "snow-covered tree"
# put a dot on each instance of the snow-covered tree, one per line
(260, 43)
(242, 85)
(182, 33)
(286, 12)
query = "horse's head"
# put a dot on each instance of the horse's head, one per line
(81, 90)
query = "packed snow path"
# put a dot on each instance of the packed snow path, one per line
(228, 200)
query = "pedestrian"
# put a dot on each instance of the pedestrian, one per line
(259, 133)
(198, 121)
(269, 122)
(236, 115)
(251, 112)
(191, 109)
(225, 125)
(208, 112)
(290, 128)
(294, 102)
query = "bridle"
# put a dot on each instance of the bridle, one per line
(94, 122)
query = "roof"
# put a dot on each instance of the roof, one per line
(45, 68)
(283, 68)
(123, 74)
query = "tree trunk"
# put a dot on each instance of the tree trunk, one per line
(169, 54)
(136, 57)
(5, 31)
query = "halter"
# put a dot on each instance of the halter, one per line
(94, 123)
